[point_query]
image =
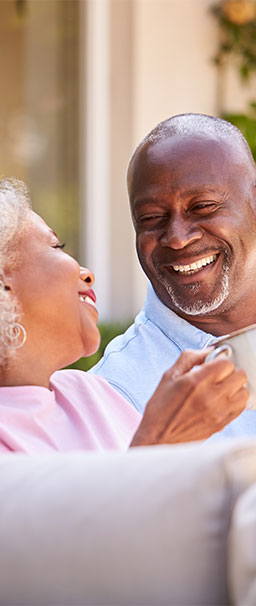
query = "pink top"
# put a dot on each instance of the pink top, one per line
(82, 412)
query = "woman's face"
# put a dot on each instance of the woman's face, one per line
(54, 292)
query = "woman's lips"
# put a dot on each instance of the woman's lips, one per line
(88, 296)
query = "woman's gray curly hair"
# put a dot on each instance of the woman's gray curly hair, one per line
(14, 208)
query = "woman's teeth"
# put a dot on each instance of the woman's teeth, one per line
(193, 268)
(86, 299)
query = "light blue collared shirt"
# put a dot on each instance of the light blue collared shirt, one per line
(133, 363)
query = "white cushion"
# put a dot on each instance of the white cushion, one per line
(147, 527)
(242, 550)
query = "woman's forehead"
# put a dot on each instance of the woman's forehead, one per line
(38, 226)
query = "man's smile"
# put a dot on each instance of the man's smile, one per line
(199, 287)
(196, 266)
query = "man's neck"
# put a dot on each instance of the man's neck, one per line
(221, 324)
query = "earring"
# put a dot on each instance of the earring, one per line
(15, 336)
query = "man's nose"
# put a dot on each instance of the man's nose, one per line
(87, 276)
(180, 233)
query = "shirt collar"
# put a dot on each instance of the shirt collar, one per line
(184, 334)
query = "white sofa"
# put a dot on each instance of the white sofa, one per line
(154, 526)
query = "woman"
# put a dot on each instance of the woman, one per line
(48, 319)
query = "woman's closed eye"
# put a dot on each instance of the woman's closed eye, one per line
(59, 245)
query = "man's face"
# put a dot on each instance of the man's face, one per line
(194, 210)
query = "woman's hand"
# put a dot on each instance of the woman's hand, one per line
(193, 403)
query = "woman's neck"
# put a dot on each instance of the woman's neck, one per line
(16, 372)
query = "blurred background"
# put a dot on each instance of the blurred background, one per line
(82, 81)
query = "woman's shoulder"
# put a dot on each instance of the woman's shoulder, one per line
(80, 387)
(71, 378)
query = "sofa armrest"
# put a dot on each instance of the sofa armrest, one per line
(242, 550)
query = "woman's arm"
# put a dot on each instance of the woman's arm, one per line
(191, 403)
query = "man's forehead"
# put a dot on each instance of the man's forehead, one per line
(189, 155)
(201, 167)
(176, 147)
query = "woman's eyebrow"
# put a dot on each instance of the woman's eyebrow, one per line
(53, 233)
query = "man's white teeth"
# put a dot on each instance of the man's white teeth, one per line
(86, 299)
(196, 266)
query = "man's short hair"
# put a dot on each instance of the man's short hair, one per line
(183, 125)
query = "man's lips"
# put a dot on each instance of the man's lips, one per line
(195, 266)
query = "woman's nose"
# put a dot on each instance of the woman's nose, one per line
(87, 276)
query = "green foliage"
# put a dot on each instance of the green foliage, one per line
(247, 125)
(238, 39)
(108, 332)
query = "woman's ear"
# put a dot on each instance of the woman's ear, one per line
(5, 281)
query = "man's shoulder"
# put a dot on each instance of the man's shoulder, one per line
(134, 362)
(136, 344)
(123, 344)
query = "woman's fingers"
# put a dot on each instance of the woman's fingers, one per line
(235, 407)
(218, 380)
(191, 402)
(234, 382)
(216, 370)
(187, 360)
(234, 392)
(239, 400)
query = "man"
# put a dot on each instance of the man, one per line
(192, 189)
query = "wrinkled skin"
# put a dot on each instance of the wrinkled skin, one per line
(194, 199)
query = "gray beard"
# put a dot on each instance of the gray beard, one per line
(199, 308)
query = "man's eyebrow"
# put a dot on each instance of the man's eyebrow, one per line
(150, 199)
(193, 191)
(202, 190)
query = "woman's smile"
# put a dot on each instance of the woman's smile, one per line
(89, 298)
(50, 311)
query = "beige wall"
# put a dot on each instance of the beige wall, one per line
(141, 61)
(159, 64)
(121, 95)
(173, 43)
(235, 96)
